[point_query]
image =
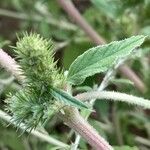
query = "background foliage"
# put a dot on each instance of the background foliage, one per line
(119, 123)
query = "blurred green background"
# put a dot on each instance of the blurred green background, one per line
(119, 123)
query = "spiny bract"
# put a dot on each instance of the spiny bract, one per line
(34, 104)
(36, 59)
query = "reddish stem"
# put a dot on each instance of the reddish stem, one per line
(133, 77)
(74, 14)
(76, 122)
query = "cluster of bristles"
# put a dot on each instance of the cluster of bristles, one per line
(33, 104)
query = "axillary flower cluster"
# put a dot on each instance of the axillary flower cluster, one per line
(34, 104)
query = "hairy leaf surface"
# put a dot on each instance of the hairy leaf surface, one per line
(101, 58)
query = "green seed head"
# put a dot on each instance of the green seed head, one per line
(34, 104)
(36, 59)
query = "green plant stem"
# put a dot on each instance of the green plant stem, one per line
(115, 96)
(75, 121)
(142, 141)
(116, 124)
(37, 18)
(36, 133)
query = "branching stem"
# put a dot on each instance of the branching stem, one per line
(37, 18)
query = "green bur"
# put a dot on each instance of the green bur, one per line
(34, 103)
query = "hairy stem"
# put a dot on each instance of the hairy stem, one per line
(116, 96)
(74, 120)
(10, 65)
(70, 9)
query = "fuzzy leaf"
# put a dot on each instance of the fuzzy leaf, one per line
(101, 58)
(61, 95)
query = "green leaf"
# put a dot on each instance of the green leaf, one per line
(61, 95)
(101, 58)
(105, 5)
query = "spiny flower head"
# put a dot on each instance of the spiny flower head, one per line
(34, 103)
(35, 56)
(31, 109)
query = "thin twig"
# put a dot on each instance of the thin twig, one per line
(70, 9)
(22, 16)
(36, 133)
(133, 77)
(142, 141)
(116, 124)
